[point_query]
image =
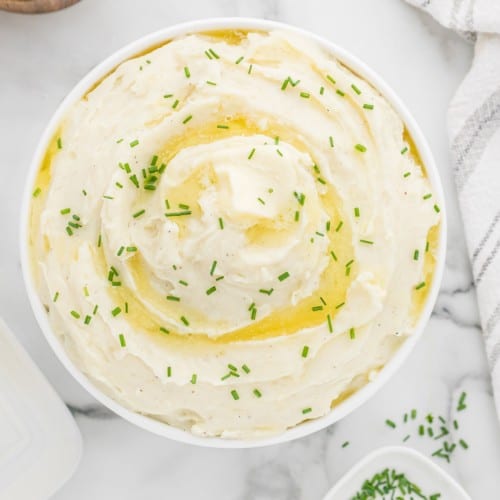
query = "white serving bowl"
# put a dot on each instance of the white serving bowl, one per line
(132, 49)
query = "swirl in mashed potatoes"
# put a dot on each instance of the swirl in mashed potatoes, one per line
(232, 233)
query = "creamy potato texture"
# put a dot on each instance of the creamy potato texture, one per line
(232, 233)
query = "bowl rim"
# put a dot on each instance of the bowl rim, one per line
(150, 41)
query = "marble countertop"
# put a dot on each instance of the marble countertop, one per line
(42, 57)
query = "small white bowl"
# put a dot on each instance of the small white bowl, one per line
(98, 73)
(418, 468)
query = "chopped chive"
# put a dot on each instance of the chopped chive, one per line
(330, 79)
(59, 143)
(164, 330)
(339, 226)
(415, 255)
(284, 276)
(360, 147)
(235, 395)
(211, 290)
(212, 268)
(368, 242)
(169, 371)
(437, 209)
(122, 340)
(131, 249)
(168, 96)
(96, 307)
(345, 444)
(349, 263)
(212, 51)
(120, 251)
(36, 192)
(427, 196)
(329, 321)
(279, 152)
(334, 257)
(297, 216)
(266, 292)
(252, 306)
(356, 212)
(306, 410)
(356, 89)
(352, 333)
(56, 296)
(245, 368)
(316, 308)
(321, 90)
(338, 306)
(183, 283)
(461, 402)
(413, 414)
(390, 423)
(87, 319)
(420, 285)
(65, 211)
(69, 231)
(257, 393)
(116, 311)
(305, 95)
(301, 197)
(186, 72)
(184, 320)
(194, 378)
(330, 139)
(305, 351)
(176, 102)
(209, 82)
(134, 143)
(126, 307)
(178, 214)
(119, 141)
(138, 214)
(368, 106)
(340, 93)
(250, 68)
(173, 298)
(404, 150)
(85, 291)
(75, 314)
(239, 60)
(463, 444)
(187, 119)
(253, 314)
(407, 174)
(251, 154)
(223, 126)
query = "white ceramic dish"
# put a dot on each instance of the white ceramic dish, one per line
(143, 44)
(40, 444)
(418, 468)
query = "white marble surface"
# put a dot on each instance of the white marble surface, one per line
(42, 57)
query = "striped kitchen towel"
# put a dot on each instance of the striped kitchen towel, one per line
(474, 134)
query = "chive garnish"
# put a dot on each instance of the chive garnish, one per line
(178, 214)
(173, 298)
(368, 242)
(36, 192)
(245, 368)
(360, 147)
(338, 306)
(427, 196)
(329, 321)
(330, 139)
(184, 320)
(235, 395)
(176, 102)
(283, 276)
(301, 197)
(123, 343)
(437, 209)
(59, 143)
(330, 79)
(183, 283)
(65, 211)
(404, 150)
(250, 68)
(187, 119)
(131, 249)
(211, 290)
(461, 402)
(56, 296)
(116, 311)
(297, 216)
(257, 393)
(194, 378)
(339, 226)
(266, 292)
(390, 423)
(251, 154)
(415, 255)
(317, 308)
(305, 95)
(75, 314)
(187, 72)
(306, 410)
(352, 333)
(420, 285)
(223, 126)
(209, 82)
(239, 60)
(134, 143)
(169, 371)
(87, 319)
(368, 106)
(356, 89)
(305, 351)
(164, 330)
(407, 174)
(334, 257)
(253, 314)
(356, 212)
(340, 93)
(138, 214)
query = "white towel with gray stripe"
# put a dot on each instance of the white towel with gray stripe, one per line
(474, 134)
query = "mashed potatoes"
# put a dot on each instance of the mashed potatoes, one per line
(232, 233)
